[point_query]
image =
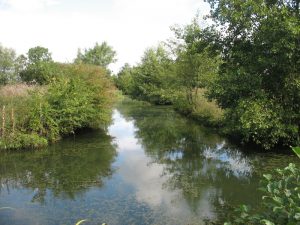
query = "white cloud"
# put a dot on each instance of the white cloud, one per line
(129, 26)
(28, 5)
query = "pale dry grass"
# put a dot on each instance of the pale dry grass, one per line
(207, 109)
(16, 90)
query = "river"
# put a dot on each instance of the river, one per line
(151, 166)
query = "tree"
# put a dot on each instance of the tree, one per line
(39, 54)
(153, 77)
(124, 79)
(100, 55)
(7, 65)
(39, 66)
(260, 72)
(197, 62)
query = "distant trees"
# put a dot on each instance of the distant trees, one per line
(39, 66)
(151, 79)
(7, 65)
(178, 72)
(100, 55)
(36, 66)
(153, 76)
(247, 62)
(124, 79)
(197, 63)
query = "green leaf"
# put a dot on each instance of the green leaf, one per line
(296, 150)
(268, 176)
(267, 222)
(277, 208)
(278, 199)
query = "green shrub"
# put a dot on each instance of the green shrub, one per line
(205, 111)
(40, 72)
(80, 97)
(281, 202)
(262, 121)
(40, 118)
(23, 141)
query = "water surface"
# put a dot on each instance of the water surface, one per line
(151, 166)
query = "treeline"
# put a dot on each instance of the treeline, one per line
(42, 100)
(241, 73)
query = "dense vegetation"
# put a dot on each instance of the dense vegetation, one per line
(42, 101)
(281, 200)
(242, 72)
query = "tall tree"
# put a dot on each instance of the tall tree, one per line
(260, 75)
(100, 55)
(39, 54)
(7, 65)
(152, 78)
(197, 62)
(39, 66)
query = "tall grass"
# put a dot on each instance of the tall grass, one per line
(10, 91)
(199, 108)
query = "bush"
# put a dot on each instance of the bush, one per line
(280, 203)
(205, 111)
(40, 72)
(22, 141)
(81, 97)
(261, 121)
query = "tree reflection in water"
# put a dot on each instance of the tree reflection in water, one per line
(208, 173)
(65, 169)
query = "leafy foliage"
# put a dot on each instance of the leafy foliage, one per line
(124, 79)
(246, 63)
(260, 54)
(7, 65)
(39, 66)
(280, 202)
(297, 151)
(80, 97)
(100, 55)
(177, 75)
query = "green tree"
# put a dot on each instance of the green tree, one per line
(100, 55)
(153, 76)
(39, 54)
(124, 79)
(7, 65)
(261, 58)
(197, 64)
(39, 66)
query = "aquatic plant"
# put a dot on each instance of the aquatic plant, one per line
(281, 199)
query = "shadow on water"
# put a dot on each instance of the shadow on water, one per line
(153, 167)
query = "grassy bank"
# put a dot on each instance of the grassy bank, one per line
(32, 116)
(200, 109)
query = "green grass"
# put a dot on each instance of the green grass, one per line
(201, 109)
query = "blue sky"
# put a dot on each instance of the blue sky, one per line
(63, 26)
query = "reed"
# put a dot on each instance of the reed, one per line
(3, 122)
(16, 90)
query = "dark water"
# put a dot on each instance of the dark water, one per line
(151, 167)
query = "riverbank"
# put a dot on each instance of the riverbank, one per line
(32, 116)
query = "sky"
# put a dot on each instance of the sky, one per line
(63, 26)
